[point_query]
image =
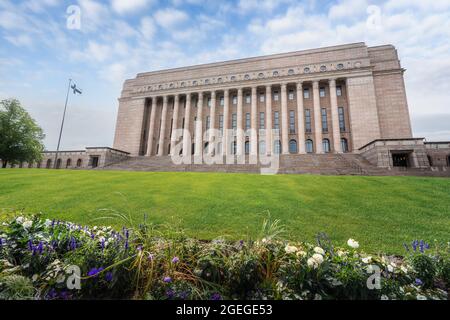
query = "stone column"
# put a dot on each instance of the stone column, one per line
(212, 122)
(152, 127)
(254, 126)
(199, 127)
(176, 106)
(239, 134)
(317, 118)
(187, 133)
(300, 119)
(335, 117)
(226, 116)
(268, 119)
(284, 121)
(163, 126)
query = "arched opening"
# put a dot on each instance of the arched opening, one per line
(277, 147)
(49, 164)
(430, 161)
(309, 146)
(326, 145)
(234, 148)
(206, 148)
(168, 149)
(58, 164)
(344, 145)
(193, 149)
(262, 147)
(247, 147)
(448, 160)
(68, 163)
(79, 163)
(293, 146)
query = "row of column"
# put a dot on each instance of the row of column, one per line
(240, 139)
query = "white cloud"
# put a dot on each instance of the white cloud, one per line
(348, 9)
(147, 27)
(248, 6)
(22, 40)
(129, 6)
(40, 5)
(170, 17)
(114, 73)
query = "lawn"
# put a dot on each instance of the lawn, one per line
(380, 212)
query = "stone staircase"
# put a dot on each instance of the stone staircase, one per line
(330, 164)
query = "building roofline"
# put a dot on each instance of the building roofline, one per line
(255, 58)
(437, 142)
(108, 149)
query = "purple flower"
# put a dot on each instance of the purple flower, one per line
(150, 257)
(103, 244)
(418, 282)
(109, 276)
(175, 260)
(139, 248)
(167, 279)
(216, 296)
(126, 245)
(94, 272)
(170, 293)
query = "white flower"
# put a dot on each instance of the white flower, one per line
(367, 259)
(20, 220)
(319, 250)
(352, 243)
(301, 253)
(312, 263)
(264, 240)
(27, 224)
(340, 253)
(290, 249)
(421, 297)
(384, 297)
(390, 268)
(318, 257)
(404, 269)
(48, 222)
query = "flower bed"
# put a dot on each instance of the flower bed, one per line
(43, 259)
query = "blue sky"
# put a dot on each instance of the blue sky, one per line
(119, 38)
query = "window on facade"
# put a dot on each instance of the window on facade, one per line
(221, 123)
(261, 97)
(324, 120)
(339, 91)
(233, 147)
(209, 102)
(326, 145)
(222, 101)
(291, 95)
(308, 120)
(79, 163)
(344, 145)
(247, 121)
(291, 121)
(276, 120)
(262, 147)
(341, 119)
(247, 147)
(277, 147)
(208, 122)
(234, 121)
(234, 99)
(247, 98)
(309, 146)
(293, 146)
(68, 163)
(182, 126)
(306, 93)
(262, 121)
(276, 97)
(322, 92)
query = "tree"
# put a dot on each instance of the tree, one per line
(20, 136)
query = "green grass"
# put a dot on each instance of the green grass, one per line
(380, 212)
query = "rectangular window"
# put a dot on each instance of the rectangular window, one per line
(248, 99)
(275, 96)
(234, 121)
(276, 120)
(339, 91)
(324, 120)
(262, 121)
(234, 99)
(291, 121)
(221, 123)
(209, 102)
(261, 97)
(306, 93)
(322, 92)
(222, 101)
(341, 119)
(183, 124)
(308, 120)
(291, 95)
(247, 121)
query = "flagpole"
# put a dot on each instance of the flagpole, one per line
(62, 125)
